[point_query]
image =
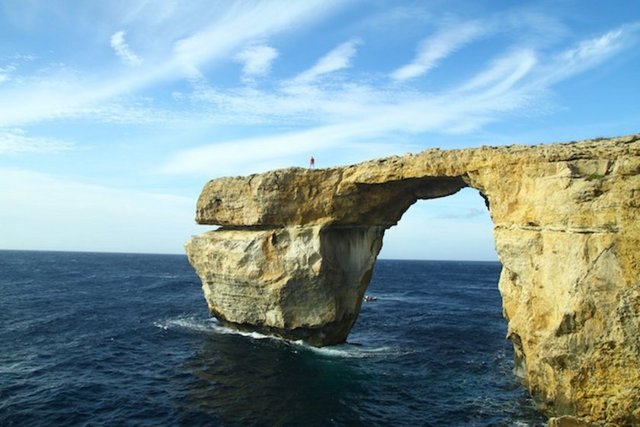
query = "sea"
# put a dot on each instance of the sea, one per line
(96, 339)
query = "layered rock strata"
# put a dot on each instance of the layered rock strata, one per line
(297, 248)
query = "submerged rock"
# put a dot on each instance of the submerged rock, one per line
(297, 247)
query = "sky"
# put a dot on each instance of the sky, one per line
(113, 115)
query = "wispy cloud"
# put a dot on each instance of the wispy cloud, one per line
(123, 50)
(12, 65)
(14, 141)
(337, 59)
(256, 60)
(65, 94)
(324, 107)
(437, 47)
(240, 24)
(592, 52)
(5, 72)
(224, 157)
(503, 73)
(356, 113)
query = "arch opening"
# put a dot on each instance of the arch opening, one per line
(455, 227)
(434, 291)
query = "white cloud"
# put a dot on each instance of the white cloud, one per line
(337, 112)
(591, 52)
(350, 113)
(256, 60)
(229, 157)
(337, 59)
(503, 73)
(5, 71)
(17, 141)
(302, 104)
(192, 42)
(379, 123)
(437, 47)
(123, 50)
(240, 24)
(594, 48)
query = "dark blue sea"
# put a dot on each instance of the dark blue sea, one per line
(90, 339)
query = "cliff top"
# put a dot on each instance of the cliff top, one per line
(352, 194)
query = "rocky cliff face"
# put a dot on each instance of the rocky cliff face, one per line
(298, 282)
(297, 247)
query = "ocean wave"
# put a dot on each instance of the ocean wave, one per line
(211, 325)
(355, 351)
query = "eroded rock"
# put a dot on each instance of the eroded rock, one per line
(297, 282)
(297, 247)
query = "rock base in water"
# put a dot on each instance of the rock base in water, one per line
(299, 282)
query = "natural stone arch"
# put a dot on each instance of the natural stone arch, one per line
(297, 248)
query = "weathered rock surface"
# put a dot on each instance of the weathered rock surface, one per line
(300, 282)
(297, 247)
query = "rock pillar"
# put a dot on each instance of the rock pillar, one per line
(297, 282)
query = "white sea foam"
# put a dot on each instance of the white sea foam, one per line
(165, 276)
(211, 325)
(21, 367)
(349, 350)
(388, 297)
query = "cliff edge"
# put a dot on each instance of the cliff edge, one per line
(297, 247)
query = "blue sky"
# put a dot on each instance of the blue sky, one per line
(114, 114)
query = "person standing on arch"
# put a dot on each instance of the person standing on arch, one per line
(312, 162)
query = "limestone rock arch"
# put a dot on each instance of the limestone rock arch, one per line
(296, 250)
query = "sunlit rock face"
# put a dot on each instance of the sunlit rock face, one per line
(298, 282)
(297, 247)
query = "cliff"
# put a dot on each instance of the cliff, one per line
(297, 247)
